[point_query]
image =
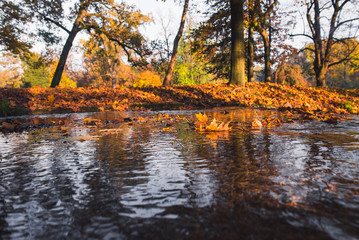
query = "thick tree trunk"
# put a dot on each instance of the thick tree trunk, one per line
(267, 62)
(238, 62)
(321, 75)
(250, 59)
(167, 80)
(63, 57)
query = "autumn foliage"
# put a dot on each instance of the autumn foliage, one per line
(301, 99)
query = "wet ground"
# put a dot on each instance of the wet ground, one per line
(155, 180)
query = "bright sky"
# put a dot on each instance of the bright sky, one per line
(157, 9)
(171, 11)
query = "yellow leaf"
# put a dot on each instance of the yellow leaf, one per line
(214, 127)
(202, 118)
(63, 129)
(90, 121)
(256, 124)
(50, 98)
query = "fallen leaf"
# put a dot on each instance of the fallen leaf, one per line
(7, 126)
(256, 124)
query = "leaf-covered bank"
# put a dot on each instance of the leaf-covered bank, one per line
(310, 100)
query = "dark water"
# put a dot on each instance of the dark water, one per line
(298, 181)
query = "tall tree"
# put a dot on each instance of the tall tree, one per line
(102, 60)
(118, 22)
(167, 80)
(341, 70)
(263, 25)
(238, 44)
(330, 22)
(260, 17)
(250, 41)
(190, 68)
(76, 28)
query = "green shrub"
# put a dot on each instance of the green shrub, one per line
(7, 110)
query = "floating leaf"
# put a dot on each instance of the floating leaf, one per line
(256, 124)
(90, 121)
(215, 127)
(202, 118)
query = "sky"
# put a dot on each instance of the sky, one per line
(171, 12)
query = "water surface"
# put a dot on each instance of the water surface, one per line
(297, 181)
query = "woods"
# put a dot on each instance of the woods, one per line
(236, 41)
(203, 119)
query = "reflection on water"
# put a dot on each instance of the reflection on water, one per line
(299, 181)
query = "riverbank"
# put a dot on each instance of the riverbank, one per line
(299, 99)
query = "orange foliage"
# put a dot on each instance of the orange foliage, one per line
(202, 124)
(309, 100)
(147, 78)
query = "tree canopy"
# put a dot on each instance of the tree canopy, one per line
(118, 22)
(239, 41)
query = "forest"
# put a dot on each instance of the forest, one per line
(238, 42)
(237, 119)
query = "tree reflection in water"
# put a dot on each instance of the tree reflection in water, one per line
(297, 181)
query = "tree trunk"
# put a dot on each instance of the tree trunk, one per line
(323, 48)
(114, 82)
(63, 57)
(67, 47)
(238, 62)
(267, 63)
(318, 47)
(114, 73)
(167, 80)
(250, 60)
(345, 78)
(321, 75)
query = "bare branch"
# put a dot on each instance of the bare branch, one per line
(301, 34)
(307, 48)
(344, 22)
(57, 24)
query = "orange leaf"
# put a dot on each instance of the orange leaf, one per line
(256, 124)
